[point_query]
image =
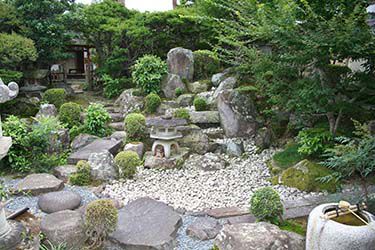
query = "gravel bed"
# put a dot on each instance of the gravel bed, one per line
(21, 201)
(194, 189)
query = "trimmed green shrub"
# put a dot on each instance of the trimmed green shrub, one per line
(200, 104)
(266, 205)
(135, 127)
(305, 176)
(127, 163)
(82, 177)
(55, 96)
(314, 141)
(179, 91)
(152, 102)
(96, 120)
(70, 114)
(10, 76)
(114, 87)
(206, 63)
(288, 157)
(182, 113)
(101, 220)
(148, 73)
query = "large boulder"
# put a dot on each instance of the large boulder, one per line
(102, 166)
(207, 162)
(47, 110)
(36, 184)
(304, 176)
(146, 224)
(58, 201)
(128, 102)
(196, 141)
(181, 62)
(217, 78)
(235, 148)
(238, 114)
(257, 236)
(64, 227)
(137, 147)
(64, 172)
(82, 140)
(59, 141)
(263, 138)
(185, 100)
(227, 84)
(170, 84)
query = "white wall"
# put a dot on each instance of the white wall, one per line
(149, 5)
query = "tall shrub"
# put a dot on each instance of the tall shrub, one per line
(96, 120)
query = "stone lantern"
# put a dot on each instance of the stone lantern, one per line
(10, 233)
(166, 135)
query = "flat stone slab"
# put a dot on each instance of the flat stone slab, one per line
(204, 117)
(219, 213)
(36, 184)
(146, 224)
(64, 172)
(249, 218)
(59, 201)
(97, 146)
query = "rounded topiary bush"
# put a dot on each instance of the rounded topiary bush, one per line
(152, 102)
(182, 114)
(70, 114)
(101, 219)
(206, 63)
(148, 73)
(266, 205)
(135, 127)
(96, 120)
(82, 177)
(127, 163)
(200, 104)
(55, 96)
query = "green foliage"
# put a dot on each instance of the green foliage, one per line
(15, 49)
(266, 205)
(371, 204)
(42, 21)
(353, 156)
(286, 48)
(3, 193)
(152, 102)
(56, 97)
(114, 87)
(70, 114)
(182, 114)
(200, 104)
(135, 127)
(148, 73)
(314, 142)
(82, 177)
(9, 18)
(179, 91)
(293, 226)
(206, 63)
(96, 120)
(101, 219)
(10, 76)
(127, 163)
(49, 246)
(306, 176)
(29, 151)
(288, 157)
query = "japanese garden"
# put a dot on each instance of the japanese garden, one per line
(214, 125)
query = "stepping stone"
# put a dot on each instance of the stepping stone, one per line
(97, 146)
(64, 172)
(64, 227)
(204, 229)
(36, 184)
(146, 224)
(241, 219)
(219, 213)
(59, 201)
(118, 126)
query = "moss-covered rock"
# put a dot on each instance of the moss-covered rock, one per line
(304, 176)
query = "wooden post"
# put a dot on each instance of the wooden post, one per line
(174, 2)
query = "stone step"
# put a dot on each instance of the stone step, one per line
(97, 146)
(116, 117)
(113, 109)
(118, 126)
